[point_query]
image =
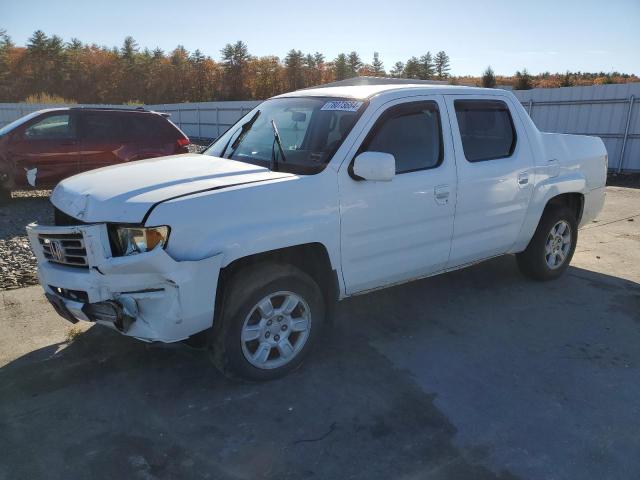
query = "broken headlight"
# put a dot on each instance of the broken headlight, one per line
(126, 240)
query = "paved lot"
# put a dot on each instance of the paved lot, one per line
(477, 374)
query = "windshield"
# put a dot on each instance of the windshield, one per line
(310, 129)
(7, 128)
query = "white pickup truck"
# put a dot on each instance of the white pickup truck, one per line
(313, 196)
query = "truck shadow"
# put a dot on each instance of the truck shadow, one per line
(363, 406)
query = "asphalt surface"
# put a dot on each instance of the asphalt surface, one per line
(476, 374)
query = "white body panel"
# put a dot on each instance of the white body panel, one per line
(493, 195)
(393, 231)
(375, 233)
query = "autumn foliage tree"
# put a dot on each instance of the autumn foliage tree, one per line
(49, 67)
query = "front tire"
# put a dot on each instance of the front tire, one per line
(271, 317)
(550, 250)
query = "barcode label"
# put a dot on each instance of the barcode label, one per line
(342, 105)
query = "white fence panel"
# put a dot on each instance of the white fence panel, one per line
(611, 112)
(205, 120)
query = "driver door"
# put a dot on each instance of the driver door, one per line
(401, 229)
(45, 150)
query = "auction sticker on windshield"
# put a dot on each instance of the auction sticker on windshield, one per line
(342, 105)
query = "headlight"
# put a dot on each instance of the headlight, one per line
(133, 240)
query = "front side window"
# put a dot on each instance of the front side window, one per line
(310, 130)
(486, 129)
(411, 133)
(53, 127)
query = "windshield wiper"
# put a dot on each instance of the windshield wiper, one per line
(244, 129)
(276, 139)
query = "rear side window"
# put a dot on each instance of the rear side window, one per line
(486, 129)
(105, 127)
(411, 133)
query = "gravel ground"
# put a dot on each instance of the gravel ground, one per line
(196, 148)
(17, 262)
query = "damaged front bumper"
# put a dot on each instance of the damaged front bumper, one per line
(149, 296)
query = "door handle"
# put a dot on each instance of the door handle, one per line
(523, 178)
(441, 194)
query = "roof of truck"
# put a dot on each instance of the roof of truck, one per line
(362, 92)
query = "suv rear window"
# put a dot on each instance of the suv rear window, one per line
(146, 126)
(486, 129)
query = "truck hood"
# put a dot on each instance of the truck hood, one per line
(125, 193)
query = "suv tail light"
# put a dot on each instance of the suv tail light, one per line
(181, 145)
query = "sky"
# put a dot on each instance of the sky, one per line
(539, 35)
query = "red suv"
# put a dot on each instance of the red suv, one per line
(42, 148)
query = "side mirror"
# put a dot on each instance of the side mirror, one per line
(375, 166)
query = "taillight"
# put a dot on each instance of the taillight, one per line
(183, 142)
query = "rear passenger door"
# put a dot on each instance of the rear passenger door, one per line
(104, 140)
(495, 176)
(399, 230)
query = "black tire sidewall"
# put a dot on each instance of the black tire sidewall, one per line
(532, 261)
(245, 299)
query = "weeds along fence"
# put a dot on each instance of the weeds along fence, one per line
(611, 112)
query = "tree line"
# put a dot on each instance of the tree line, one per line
(89, 73)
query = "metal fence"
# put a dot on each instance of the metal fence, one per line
(611, 112)
(205, 120)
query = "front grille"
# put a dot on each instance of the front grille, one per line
(64, 248)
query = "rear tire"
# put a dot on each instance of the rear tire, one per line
(550, 250)
(271, 317)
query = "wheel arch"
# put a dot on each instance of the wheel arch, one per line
(573, 200)
(566, 190)
(311, 258)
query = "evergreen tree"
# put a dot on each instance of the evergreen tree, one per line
(354, 64)
(293, 63)
(488, 78)
(234, 63)
(129, 49)
(318, 58)
(412, 69)
(377, 67)
(398, 70)
(427, 66)
(340, 67)
(6, 45)
(37, 75)
(522, 81)
(442, 65)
